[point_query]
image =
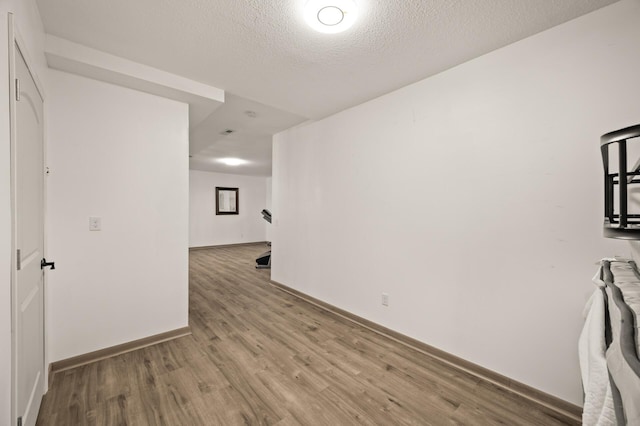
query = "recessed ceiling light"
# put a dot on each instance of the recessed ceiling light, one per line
(232, 161)
(330, 16)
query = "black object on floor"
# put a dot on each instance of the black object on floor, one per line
(264, 260)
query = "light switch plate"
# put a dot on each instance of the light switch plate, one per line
(385, 299)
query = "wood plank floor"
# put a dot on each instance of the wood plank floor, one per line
(261, 356)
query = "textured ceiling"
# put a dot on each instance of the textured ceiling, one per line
(263, 51)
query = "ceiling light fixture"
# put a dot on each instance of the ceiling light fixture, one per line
(232, 161)
(330, 16)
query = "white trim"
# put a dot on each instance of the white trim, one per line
(12, 180)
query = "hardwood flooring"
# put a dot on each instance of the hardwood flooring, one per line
(259, 355)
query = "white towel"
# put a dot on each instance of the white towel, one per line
(598, 403)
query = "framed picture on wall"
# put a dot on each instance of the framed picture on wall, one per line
(226, 200)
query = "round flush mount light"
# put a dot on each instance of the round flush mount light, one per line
(330, 16)
(232, 161)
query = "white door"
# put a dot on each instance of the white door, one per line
(29, 237)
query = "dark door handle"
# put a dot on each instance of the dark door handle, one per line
(44, 264)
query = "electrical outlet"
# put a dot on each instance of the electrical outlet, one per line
(385, 299)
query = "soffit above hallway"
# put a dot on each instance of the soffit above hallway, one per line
(75, 58)
(263, 50)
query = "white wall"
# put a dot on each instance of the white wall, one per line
(121, 155)
(29, 25)
(474, 198)
(208, 229)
